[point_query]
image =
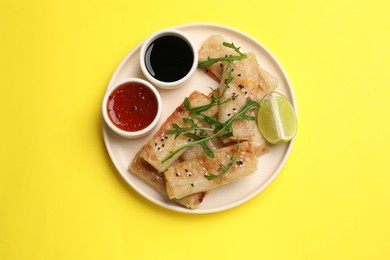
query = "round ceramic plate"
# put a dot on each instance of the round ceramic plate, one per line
(122, 150)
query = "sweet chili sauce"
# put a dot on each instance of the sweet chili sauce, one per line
(132, 106)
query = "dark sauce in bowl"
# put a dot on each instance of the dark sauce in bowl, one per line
(169, 58)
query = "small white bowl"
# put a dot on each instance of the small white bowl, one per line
(150, 40)
(131, 134)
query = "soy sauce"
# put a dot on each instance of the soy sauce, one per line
(169, 58)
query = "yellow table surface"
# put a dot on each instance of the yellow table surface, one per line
(61, 197)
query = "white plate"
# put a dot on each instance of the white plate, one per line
(122, 150)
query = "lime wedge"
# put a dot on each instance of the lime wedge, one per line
(276, 118)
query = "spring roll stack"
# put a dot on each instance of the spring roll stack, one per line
(183, 178)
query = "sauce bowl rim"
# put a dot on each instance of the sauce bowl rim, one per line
(153, 37)
(131, 134)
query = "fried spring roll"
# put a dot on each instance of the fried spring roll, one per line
(188, 177)
(196, 150)
(243, 86)
(213, 48)
(249, 81)
(161, 145)
(146, 172)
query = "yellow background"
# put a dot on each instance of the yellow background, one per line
(60, 195)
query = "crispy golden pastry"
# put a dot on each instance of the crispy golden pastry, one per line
(196, 150)
(188, 177)
(249, 81)
(243, 86)
(146, 172)
(161, 145)
(213, 47)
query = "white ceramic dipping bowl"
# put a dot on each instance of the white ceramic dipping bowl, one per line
(143, 53)
(115, 128)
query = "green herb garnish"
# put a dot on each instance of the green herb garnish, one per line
(224, 168)
(204, 146)
(225, 130)
(228, 58)
(214, 99)
(178, 130)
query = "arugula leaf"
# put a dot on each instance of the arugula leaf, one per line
(214, 99)
(228, 58)
(232, 46)
(204, 146)
(178, 130)
(224, 168)
(225, 129)
(214, 123)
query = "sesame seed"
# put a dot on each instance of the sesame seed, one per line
(228, 114)
(185, 170)
(192, 184)
(239, 74)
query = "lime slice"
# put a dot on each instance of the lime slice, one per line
(276, 118)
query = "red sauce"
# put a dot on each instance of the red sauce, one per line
(132, 106)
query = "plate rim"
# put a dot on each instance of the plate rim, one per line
(230, 205)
